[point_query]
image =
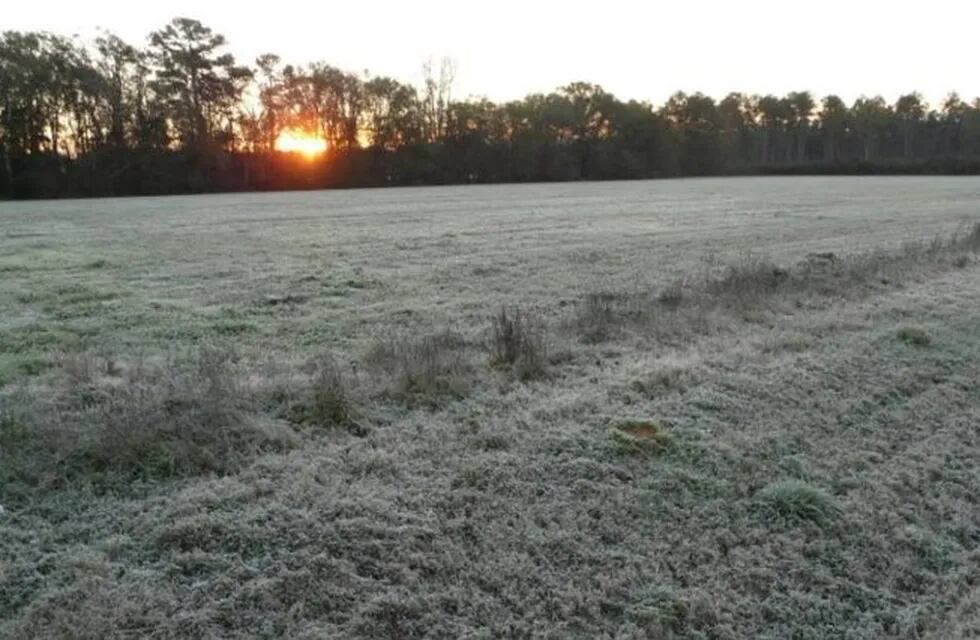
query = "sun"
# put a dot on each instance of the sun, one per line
(296, 141)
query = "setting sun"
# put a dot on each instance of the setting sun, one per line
(294, 141)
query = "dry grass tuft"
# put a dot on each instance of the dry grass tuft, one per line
(331, 402)
(664, 380)
(659, 608)
(598, 318)
(517, 343)
(914, 336)
(753, 285)
(639, 437)
(422, 370)
(187, 417)
(747, 281)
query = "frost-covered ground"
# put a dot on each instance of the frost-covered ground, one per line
(815, 472)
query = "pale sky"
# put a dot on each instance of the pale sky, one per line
(505, 49)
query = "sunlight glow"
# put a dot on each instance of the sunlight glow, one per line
(295, 141)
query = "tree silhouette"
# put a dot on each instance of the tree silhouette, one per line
(180, 115)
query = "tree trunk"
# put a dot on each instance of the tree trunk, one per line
(8, 173)
(829, 148)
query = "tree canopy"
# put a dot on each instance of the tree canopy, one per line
(180, 114)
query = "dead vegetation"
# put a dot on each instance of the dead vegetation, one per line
(914, 336)
(754, 285)
(518, 344)
(426, 370)
(189, 415)
(642, 437)
(326, 401)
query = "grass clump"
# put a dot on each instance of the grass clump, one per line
(748, 280)
(598, 318)
(914, 336)
(753, 284)
(100, 263)
(327, 401)
(331, 401)
(18, 366)
(426, 370)
(795, 502)
(517, 343)
(643, 437)
(660, 608)
(187, 417)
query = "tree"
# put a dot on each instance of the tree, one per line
(871, 116)
(738, 119)
(834, 122)
(801, 107)
(775, 115)
(436, 96)
(910, 110)
(953, 114)
(262, 129)
(200, 86)
(117, 66)
(391, 110)
(114, 118)
(697, 126)
(586, 110)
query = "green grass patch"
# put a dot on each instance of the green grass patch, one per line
(795, 502)
(14, 367)
(36, 337)
(75, 301)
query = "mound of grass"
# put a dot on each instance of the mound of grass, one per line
(100, 263)
(639, 437)
(665, 380)
(914, 336)
(37, 338)
(659, 608)
(331, 403)
(517, 343)
(18, 366)
(422, 370)
(754, 284)
(794, 502)
(188, 417)
(748, 280)
(598, 318)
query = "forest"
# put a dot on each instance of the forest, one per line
(181, 115)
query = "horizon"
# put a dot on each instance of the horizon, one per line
(397, 47)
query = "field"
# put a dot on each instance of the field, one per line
(694, 408)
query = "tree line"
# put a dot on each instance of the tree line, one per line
(181, 115)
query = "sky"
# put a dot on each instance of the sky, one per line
(506, 49)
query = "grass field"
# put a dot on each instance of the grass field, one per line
(695, 409)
